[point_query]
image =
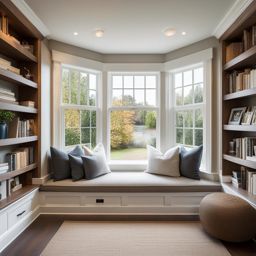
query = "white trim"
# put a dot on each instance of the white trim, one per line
(233, 13)
(31, 16)
(189, 60)
(133, 67)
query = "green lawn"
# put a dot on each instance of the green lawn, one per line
(129, 154)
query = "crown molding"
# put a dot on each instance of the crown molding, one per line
(234, 12)
(31, 16)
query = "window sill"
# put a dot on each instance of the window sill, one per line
(139, 165)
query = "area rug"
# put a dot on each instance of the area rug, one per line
(133, 239)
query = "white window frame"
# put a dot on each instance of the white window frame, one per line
(65, 106)
(131, 164)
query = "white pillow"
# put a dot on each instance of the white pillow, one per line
(163, 164)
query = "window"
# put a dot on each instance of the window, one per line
(133, 115)
(78, 107)
(188, 88)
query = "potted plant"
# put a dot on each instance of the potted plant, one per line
(5, 118)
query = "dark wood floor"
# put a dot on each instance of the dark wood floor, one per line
(34, 239)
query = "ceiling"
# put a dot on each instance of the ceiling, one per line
(131, 26)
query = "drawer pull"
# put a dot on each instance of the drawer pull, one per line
(18, 215)
(99, 201)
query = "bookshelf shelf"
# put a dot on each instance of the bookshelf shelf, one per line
(240, 94)
(14, 50)
(11, 174)
(17, 108)
(244, 60)
(229, 188)
(17, 195)
(236, 160)
(12, 77)
(244, 128)
(16, 141)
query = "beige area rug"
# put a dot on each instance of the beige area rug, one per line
(133, 239)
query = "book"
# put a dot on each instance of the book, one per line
(28, 103)
(14, 128)
(233, 50)
(3, 189)
(247, 39)
(254, 184)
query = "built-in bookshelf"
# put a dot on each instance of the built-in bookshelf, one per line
(20, 89)
(239, 90)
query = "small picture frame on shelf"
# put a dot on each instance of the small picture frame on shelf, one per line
(247, 117)
(253, 122)
(236, 115)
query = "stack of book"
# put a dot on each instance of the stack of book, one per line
(21, 128)
(4, 167)
(7, 96)
(236, 179)
(242, 80)
(5, 64)
(244, 148)
(20, 158)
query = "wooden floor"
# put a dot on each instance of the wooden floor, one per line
(34, 239)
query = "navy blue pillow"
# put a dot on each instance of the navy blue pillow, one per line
(190, 161)
(60, 162)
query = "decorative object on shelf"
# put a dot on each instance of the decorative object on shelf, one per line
(236, 115)
(247, 117)
(5, 117)
(27, 74)
(231, 150)
(28, 103)
(28, 46)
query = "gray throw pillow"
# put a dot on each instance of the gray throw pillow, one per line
(60, 162)
(95, 166)
(77, 169)
(190, 161)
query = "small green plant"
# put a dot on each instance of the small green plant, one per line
(6, 116)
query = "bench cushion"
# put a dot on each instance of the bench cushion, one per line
(132, 182)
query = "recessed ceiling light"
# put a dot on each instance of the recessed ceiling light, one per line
(169, 32)
(99, 32)
(184, 33)
(75, 33)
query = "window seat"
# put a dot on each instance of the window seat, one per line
(132, 182)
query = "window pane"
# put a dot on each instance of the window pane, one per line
(178, 80)
(139, 97)
(151, 82)
(139, 81)
(179, 136)
(92, 81)
(151, 97)
(188, 95)
(117, 97)
(93, 118)
(198, 118)
(128, 97)
(85, 136)
(128, 81)
(72, 136)
(198, 137)
(72, 118)
(188, 118)
(92, 98)
(178, 96)
(83, 89)
(93, 137)
(85, 118)
(188, 137)
(74, 82)
(198, 75)
(131, 131)
(188, 77)
(179, 119)
(65, 85)
(198, 93)
(117, 81)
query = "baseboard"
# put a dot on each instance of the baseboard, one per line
(17, 229)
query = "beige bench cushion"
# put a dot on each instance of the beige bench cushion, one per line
(133, 182)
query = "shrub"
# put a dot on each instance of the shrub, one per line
(150, 119)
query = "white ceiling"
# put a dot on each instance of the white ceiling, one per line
(131, 26)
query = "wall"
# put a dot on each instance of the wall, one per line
(211, 42)
(45, 106)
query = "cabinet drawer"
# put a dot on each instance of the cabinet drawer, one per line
(144, 200)
(103, 200)
(3, 223)
(18, 213)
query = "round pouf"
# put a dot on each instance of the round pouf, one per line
(228, 217)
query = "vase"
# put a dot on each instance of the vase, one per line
(3, 131)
